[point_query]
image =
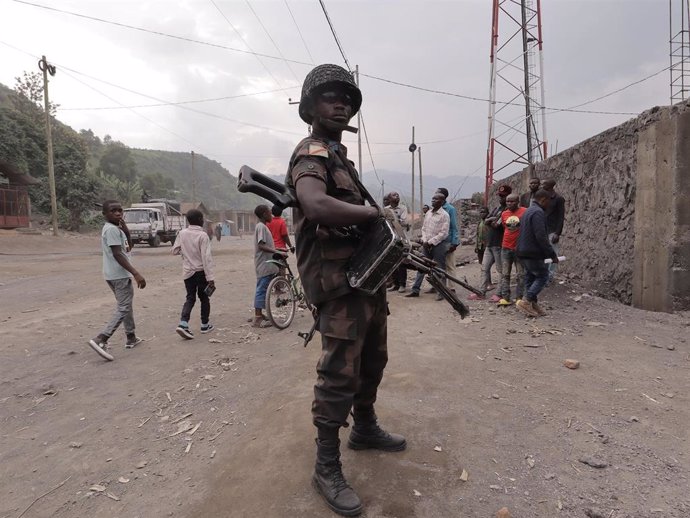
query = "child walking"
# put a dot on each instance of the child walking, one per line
(194, 245)
(118, 272)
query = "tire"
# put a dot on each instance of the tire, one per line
(155, 241)
(280, 302)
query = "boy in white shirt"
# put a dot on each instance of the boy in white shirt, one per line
(194, 245)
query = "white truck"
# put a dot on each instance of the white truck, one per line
(154, 222)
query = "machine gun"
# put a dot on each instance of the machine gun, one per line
(283, 197)
(437, 277)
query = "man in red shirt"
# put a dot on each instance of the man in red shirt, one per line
(279, 231)
(510, 220)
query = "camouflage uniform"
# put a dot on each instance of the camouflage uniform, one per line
(352, 324)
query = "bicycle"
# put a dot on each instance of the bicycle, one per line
(283, 295)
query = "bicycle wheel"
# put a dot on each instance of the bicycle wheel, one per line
(280, 302)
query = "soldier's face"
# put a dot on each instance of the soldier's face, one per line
(334, 104)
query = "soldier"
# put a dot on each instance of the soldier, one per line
(352, 324)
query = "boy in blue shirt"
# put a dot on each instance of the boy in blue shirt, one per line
(118, 273)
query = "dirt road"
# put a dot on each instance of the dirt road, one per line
(220, 426)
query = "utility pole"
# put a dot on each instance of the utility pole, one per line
(47, 68)
(421, 185)
(412, 149)
(383, 189)
(359, 133)
(193, 180)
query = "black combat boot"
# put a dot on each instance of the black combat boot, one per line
(329, 481)
(366, 433)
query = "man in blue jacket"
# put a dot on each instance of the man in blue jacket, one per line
(533, 247)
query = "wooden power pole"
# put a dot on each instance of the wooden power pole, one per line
(193, 180)
(47, 68)
(421, 184)
(412, 149)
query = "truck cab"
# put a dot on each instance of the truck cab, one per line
(153, 223)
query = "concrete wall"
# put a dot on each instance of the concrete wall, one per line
(627, 224)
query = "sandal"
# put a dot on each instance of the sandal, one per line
(261, 323)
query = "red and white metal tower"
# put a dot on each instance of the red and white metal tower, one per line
(517, 75)
(679, 52)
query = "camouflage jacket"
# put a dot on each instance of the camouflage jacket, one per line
(322, 259)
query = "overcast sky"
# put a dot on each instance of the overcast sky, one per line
(590, 48)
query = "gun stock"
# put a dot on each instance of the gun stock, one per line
(251, 180)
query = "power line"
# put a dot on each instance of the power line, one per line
(187, 141)
(158, 33)
(178, 103)
(245, 42)
(214, 115)
(272, 40)
(335, 36)
(361, 113)
(507, 103)
(398, 83)
(299, 31)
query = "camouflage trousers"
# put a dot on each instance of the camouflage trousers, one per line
(353, 355)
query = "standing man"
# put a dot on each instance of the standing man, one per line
(492, 254)
(117, 272)
(194, 245)
(435, 231)
(555, 217)
(482, 236)
(526, 198)
(533, 247)
(400, 211)
(453, 239)
(510, 219)
(352, 323)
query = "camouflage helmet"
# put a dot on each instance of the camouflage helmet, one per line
(322, 76)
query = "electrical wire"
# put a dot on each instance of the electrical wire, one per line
(299, 31)
(280, 53)
(178, 103)
(335, 36)
(184, 139)
(245, 42)
(214, 115)
(390, 81)
(157, 33)
(509, 103)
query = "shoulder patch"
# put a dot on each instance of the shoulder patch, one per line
(318, 149)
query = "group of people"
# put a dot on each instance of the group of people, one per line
(192, 243)
(352, 323)
(521, 233)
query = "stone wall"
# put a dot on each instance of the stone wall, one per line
(609, 249)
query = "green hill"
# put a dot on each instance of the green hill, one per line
(89, 169)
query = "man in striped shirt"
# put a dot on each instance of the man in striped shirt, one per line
(435, 230)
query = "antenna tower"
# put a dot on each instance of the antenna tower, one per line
(517, 74)
(679, 49)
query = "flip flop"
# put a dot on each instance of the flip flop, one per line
(262, 324)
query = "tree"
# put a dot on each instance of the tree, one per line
(30, 88)
(117, 162)
(124, 191)
(478, 198)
